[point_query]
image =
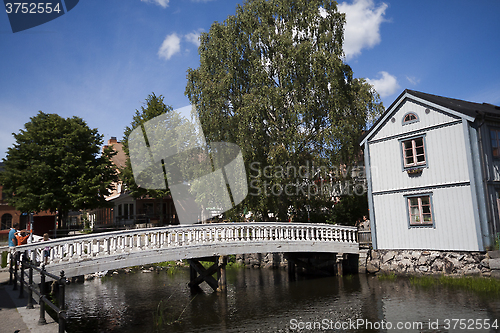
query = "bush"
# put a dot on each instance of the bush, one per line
(4, 259)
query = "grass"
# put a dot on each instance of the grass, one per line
(387, 277)
(166, 264)
(206, 264)
(234, 264)
(162, 316)
(477, 284)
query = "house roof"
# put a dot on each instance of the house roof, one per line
(460, 108)
(467, 108)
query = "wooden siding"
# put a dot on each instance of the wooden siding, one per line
(445, 155)
(433, 118)
(454, 227)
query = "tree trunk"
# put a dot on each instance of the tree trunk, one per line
(161, 211)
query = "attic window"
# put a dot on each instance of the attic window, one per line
(410, 118)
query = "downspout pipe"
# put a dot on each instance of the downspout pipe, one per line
(490, 223)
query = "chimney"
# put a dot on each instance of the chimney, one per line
(112, 140)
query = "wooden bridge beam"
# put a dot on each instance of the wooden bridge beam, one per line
(199, 274)
(340, 262)
(221, 273)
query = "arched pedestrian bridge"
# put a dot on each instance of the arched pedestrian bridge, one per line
(92, 253)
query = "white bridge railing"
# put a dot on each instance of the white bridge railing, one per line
(93, 246)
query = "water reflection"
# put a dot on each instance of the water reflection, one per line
(267, 301)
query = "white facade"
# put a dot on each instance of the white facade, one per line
(425, 177)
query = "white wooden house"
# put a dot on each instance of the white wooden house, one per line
(433, 173)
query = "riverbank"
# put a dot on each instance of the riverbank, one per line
(15, 316)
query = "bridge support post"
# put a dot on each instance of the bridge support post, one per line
(340, 262)
(221, 273)
(198, 273)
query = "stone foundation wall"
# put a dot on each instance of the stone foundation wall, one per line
(262, 260)
(418, 262)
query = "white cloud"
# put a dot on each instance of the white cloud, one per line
(413, 80)
(386, 85)
(163, 3)
(194, 37)
(363, 21)
(170, 46)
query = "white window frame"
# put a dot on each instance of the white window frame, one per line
(497, 140)
(415, 164)
(420, 206)
(410, 121)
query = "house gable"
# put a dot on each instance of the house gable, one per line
(429, 115)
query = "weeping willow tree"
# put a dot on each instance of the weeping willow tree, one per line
(272, 79)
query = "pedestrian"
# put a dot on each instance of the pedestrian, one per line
(46, 250)
(12, 237)
(12, 240)
(22, 237)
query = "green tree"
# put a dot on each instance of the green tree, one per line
(273, 80)
(154, 107)
(56, 165)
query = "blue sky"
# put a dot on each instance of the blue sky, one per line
(102, 59)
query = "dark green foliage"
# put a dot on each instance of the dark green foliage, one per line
(154, 107)
(350, 209)
(272, 79)
(56, 165)
(4, 259)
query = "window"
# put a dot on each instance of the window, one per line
(413, 152)
(495, 142)
(6, 221)
(410, 118)
(420, 210)
(125, 211)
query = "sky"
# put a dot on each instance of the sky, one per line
(102, 59)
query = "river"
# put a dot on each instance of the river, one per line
(265, 300)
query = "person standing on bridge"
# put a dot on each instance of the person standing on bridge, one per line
(12, 237)
(46, 250)
(12, 240)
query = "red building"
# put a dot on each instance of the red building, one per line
(42, 222)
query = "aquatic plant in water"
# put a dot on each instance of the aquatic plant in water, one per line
(476, 284)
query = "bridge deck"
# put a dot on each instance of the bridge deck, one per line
(86, 254)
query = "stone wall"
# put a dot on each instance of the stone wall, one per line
(418, 262)
(262, 260)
